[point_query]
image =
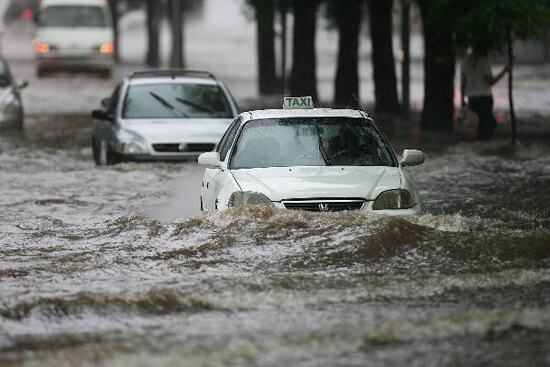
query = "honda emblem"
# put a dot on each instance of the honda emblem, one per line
(323, 207)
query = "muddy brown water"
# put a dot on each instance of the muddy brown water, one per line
(115, 266)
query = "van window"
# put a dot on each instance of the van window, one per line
(73, 16)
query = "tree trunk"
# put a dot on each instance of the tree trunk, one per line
(153, 32)
(114, 13)
(176, 22)
(406, 62)
(439, 71)
(348, 18)
(381, 31)
(267, 75)
(283, 10)
(510, 83)
(303, 79)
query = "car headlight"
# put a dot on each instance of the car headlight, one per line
(132, 147)
(393, 199)
(240, 198)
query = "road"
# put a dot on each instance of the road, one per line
(114, 266)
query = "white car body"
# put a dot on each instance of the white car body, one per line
(74, 48)
(313, 188)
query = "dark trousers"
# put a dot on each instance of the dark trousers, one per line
(483, 108)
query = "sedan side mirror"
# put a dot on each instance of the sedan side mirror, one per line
(105, 102)
(412, 157)
(23, 85)
(102, 115)
(211, 159)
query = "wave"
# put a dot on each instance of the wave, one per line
(155, 301)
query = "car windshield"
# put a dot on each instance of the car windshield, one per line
(73, 16)
(326, 141)
(176, 101)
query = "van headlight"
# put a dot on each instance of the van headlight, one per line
(132, 147)
(393, 199)
(241, 198)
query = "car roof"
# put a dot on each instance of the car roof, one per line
(172, 76)
(73, 2)
(168, 80)
(312, 112)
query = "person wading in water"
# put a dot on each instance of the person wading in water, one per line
(476, 82)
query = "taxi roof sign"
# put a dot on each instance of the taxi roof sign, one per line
(298, 102)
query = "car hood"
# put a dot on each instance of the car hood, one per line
(282, 183)
(177, 130)
(75, 38)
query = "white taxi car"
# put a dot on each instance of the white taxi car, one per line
(305, 158)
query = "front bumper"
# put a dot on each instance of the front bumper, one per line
(91, 62)
(367, 207)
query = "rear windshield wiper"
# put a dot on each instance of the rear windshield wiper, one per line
(168, 105)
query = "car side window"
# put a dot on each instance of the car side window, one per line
(228, 138)
(113, 100)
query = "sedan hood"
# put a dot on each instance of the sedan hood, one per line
(166, 131)
(318, 182)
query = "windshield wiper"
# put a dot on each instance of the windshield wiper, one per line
(324, 154)
(195, 105)
(168, 105)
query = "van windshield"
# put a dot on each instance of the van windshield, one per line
(73, 16)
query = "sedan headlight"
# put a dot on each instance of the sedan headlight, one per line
(393, 199)
(240, 198)
(132, 147)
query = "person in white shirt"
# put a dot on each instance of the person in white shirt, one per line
(476, 82)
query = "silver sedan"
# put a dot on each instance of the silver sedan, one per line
(11, 106)
(162, 115)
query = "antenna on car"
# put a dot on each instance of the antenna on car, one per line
(355, 104)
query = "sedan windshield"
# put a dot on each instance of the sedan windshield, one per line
(175, 101)
(327, 141)
(74, 16)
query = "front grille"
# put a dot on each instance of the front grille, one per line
(183, 148)
(324, 205)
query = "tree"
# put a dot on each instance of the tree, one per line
(492, 25)
(347, 16)
(303, 78)
(113, 4)
(438, 19)
(265, 34)
(381, 32)
(153, 32)
(176, 23)
(406, 61)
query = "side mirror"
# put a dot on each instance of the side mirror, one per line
(4, 82)
(102, 115)
(23, 85)
(105, 102)
(211, 159)
(412, 157)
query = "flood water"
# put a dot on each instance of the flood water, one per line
(115, 266)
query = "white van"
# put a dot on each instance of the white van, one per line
(74, 35)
